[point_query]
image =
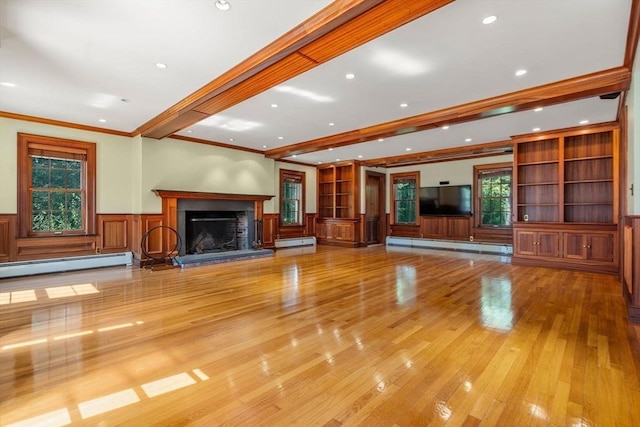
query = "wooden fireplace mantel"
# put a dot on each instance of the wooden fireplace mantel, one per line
(180, 194)
(170, 207)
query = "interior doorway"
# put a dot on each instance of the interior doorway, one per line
(375, 211)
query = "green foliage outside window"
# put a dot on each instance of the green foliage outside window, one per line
(290, 203)
(56, 197)
(405, 202)
(495, 200)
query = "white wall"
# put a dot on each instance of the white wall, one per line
(458, 172)
(172, 164)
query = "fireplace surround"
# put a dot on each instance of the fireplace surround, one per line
(180, 207)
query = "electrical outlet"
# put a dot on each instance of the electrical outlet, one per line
(471, 238)
(98, 250)
(526, 218)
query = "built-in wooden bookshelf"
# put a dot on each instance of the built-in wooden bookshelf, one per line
(338, 203)
(567, 192)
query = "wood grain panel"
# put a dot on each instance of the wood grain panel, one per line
(115, 233)
(55, 247)
(269, 229)
(8, 237)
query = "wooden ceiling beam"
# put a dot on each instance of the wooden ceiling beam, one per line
(443, 155)
(338, 28)
(590, 85)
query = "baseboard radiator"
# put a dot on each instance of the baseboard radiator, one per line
(28, 268)
(480, 247)
(297, 241)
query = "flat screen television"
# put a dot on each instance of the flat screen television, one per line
(445, 200)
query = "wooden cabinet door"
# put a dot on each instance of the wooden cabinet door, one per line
(433, 226)
(601, 247)
(344, 232)
(548, 244)
(459, 228)
(575, 245)
(525, 242)
(323, 230)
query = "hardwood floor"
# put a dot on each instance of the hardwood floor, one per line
(320, 337)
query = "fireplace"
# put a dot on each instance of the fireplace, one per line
(194, 214)
(215, 231)
(208, 226)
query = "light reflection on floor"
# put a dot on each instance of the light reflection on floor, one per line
(115, 400)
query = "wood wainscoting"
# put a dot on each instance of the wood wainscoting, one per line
(272, 230)
(8, 233)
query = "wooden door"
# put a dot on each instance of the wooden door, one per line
(374, 207)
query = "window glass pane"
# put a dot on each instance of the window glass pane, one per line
(57, 209)
(40, 201)
(58, 178)
(40, 221)
(40, 177)
(495, 197)
(73, 179)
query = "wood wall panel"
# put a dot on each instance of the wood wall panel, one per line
(114, 233)
(310, 224)
(140, 225)
(269, 230)
(7, 237)
(55, 247)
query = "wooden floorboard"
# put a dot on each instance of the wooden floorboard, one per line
(324, 336)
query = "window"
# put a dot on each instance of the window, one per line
(405, 197)
(291, 197)
(56, 186)
(493, 196)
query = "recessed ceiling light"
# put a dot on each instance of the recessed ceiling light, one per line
(161, 65)
(445, 127)
(264, 146)
(380, 139)
(330, 149)
(102, 120)
(294, 155)
(407, 149)
(189, 131)
(350, 76)
(467, 140)
(359, 156)
(536, 129)
(404, 105)
(319, 163)
(274, 105)
(8, 84)
(521, 73)
(489, 19)
(281, 137)
(223, 5)
(584, 122)
(331, 124)
(538, 109)
(337, 160)
(231, 139)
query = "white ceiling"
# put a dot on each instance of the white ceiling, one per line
(79, 61)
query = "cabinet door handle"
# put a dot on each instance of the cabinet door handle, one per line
(584, 246)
